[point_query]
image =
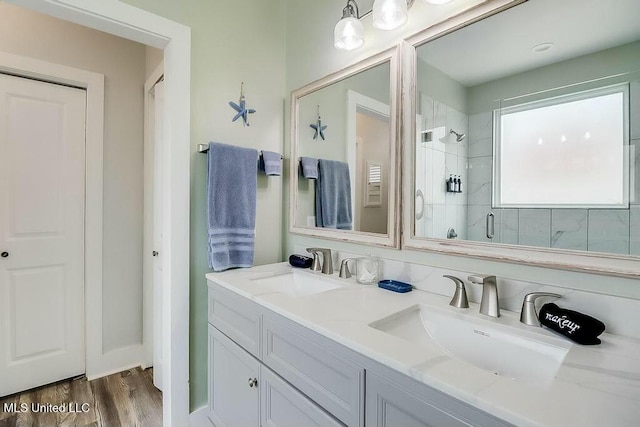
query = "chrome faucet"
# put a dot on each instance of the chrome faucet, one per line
(528, 314)
(345, 273)
(489, 304)
(459, 299)
(327, 264)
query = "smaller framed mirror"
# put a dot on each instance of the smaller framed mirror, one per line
(344, 170)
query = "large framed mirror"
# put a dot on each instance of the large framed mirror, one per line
(523, 131)
(344, 172)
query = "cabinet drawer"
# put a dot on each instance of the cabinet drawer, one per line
(326, 377)
(284, 406)
(237, 317)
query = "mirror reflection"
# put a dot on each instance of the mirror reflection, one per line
(528, 129)
(344, 146)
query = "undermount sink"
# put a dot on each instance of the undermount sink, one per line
(500, 349)
(296, 283)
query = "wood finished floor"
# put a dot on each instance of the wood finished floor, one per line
(124, 399)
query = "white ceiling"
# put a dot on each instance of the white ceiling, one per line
(502, 44)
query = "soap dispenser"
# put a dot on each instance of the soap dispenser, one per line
(367, 270)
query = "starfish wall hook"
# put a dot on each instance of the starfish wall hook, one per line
(318, 127)
(241, 108)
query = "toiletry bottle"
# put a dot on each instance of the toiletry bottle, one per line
(450, 184)
(455, 183)
(367, 270)
(459, 184)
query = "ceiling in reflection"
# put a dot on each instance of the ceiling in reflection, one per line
(576, 27)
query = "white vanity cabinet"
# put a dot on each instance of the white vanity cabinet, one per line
(243, 391)
(267, 370)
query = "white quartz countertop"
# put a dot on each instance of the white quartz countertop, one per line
(595, 386)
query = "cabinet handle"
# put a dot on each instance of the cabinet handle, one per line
(4, 254)
(154, 253)
(253, 382)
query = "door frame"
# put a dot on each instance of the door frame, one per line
(124, 20)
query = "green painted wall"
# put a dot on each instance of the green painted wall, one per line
(232, 41)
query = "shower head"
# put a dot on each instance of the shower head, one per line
(459, 136)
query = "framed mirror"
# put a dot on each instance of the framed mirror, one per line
(523, 132)
(344, 172)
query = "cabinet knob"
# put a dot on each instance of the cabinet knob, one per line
(154, 253)
(4, 254)
(253, 382)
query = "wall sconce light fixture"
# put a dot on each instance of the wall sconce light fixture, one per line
(390, 14)
(349, 32)
(387, 15)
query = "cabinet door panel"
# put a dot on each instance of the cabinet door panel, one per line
(389, 406)
(284, 406)
(232, 402)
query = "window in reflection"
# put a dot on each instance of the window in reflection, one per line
(566, 151)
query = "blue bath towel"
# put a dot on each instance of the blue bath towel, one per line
(309, 167)
(271, 163)
(333, 195)
(231, 205)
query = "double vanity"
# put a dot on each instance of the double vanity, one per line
(300, 348)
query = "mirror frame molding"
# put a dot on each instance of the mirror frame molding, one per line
(627, 266)
(391, 239)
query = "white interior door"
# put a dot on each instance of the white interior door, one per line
(42, 193)
(158, 143)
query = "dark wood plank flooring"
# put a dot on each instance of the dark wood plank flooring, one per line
(125, 399)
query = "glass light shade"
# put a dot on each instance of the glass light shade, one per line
(348, 34)
(389, 14)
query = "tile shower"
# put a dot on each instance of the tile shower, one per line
(437, 159)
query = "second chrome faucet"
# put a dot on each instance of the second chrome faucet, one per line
(489, 303)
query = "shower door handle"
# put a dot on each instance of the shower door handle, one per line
(420, 213)
(490, 227)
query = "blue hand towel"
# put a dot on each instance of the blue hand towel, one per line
(333, 195)
(271, 163)
(231, 206)
(309, 167)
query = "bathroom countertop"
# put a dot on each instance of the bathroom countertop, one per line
(595, 385)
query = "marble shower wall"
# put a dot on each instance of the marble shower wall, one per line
(599, 230)
(435, 161)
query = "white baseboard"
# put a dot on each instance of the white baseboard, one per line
(116, 361)
(200, 418)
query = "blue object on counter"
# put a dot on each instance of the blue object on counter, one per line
(395, 286)
(300, 261)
